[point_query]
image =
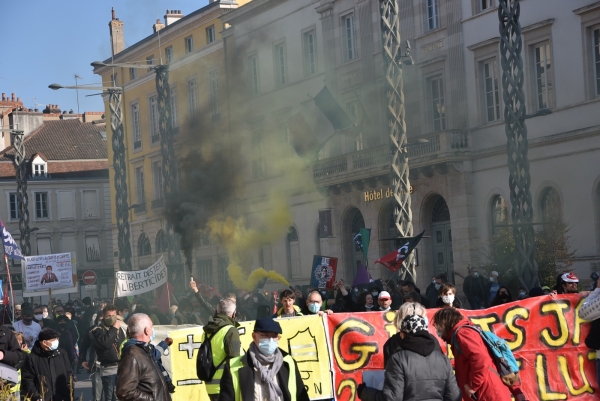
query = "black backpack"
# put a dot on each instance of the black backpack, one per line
(205, 368)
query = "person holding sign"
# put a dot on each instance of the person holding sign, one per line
(49, 277)
(266, 372)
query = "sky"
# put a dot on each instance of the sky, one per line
(46, 42)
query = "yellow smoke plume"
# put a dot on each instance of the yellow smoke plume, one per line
(238, 239)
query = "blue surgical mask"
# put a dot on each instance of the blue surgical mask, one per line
(437, 286)
(125, 315)
(314, 308)
(54, 345)
(153, 335)
(267, 346)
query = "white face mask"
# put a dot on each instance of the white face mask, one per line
(476, 274)
(491, 279)
(374, 293)
(448, 299)
(38, 316)
(54, 345)
(437, 286)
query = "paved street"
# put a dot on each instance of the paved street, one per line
(83, 387)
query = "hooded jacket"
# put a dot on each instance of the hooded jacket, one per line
(55, 369)
(419, 371)
(232, 342)
(107, 342)
(474, 366)
(139, 377)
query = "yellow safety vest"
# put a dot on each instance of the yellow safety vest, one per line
(235, 364)
(217, 342)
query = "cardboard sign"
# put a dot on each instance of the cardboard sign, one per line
(141, 281)
(46, 272)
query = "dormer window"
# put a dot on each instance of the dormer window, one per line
(39, 167)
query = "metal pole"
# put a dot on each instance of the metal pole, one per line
(115, 97)
(165, 122)
(519, 180)
(20, 163)
(390, 27)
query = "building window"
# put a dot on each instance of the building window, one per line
(490, 83)
(150, 61)
(90, 204)
(139, 185)
(293, 246)
(192, 94)
(486, 4)
(280, 64)
(144, 247)
(66, 204)
(213, 94)
(169, 54)
(41, 205)
(438, 108)
(132, 73)
(310, 53)
(174, 108)
(135, 125)
(154, 124)
(433, 21)
(544, 88)
(205, 270)
(258, 162)
(499, 214)
(44, 246)
(189, 44)
(253, 74)
(162, 242)
(39, 169)
(13, 201)
(210, 34)
(596, 38)
(92, 248)
(551, 207)
(349, 37)
(158, 179)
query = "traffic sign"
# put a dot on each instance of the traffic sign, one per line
(92, 287)
(89, 277)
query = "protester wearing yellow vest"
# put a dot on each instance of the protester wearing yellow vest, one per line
(224, 341)
(266, 372)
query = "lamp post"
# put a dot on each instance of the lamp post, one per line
(20, 163)
(165, 123)
(515, 115)
(115, 97)
(393, 61)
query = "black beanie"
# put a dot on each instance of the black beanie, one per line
(48, 334)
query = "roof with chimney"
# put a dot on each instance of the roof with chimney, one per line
(63, 140)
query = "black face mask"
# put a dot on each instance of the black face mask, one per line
(27, 320)
(503, 295)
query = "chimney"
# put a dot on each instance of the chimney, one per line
(158, 26)
(172, 16)
(3, 96)
(12, 98)
(117, 37)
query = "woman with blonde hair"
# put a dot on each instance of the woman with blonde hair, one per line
(392, 345)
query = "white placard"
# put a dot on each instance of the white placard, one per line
(9, 373)
(46, 272)
(141, 281)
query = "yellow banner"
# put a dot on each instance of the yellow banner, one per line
(304, 338)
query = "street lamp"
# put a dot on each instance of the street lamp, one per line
(393, 61)
(115, 97)
(165, 124)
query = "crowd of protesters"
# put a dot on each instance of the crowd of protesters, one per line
(113, 341)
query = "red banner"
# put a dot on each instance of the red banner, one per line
(546, 335)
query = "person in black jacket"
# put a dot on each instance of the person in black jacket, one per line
(47, 370)
(419, 371)
(108, 337)
(87, 357)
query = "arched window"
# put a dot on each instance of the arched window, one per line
(144, 247)
(293, 253)
(440, 211)
(551, 206)
(499, 214)
(162, 242)
(353, 222)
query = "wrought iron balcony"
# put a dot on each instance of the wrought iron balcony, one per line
(440, 148)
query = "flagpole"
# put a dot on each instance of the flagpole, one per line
(12, 295)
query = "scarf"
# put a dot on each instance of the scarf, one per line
(268, 366)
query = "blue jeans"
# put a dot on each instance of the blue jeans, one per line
(108, 388)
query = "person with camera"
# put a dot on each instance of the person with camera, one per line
(590, 310)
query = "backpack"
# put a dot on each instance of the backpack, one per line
(205, 368)
(503, 358)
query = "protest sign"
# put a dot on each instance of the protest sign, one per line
(141, 281)
(44, 272)
(323, 272)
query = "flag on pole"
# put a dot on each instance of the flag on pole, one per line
(362, 276)
(362, 241)
(11, 249)
(394, 260)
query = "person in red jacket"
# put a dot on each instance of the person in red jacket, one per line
(475, 370)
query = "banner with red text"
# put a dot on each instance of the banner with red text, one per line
(546, 335)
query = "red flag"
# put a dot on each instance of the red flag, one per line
(394, 260)
(163, 294)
